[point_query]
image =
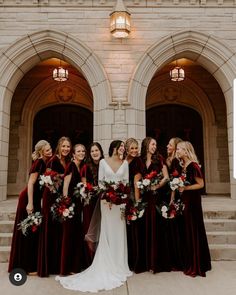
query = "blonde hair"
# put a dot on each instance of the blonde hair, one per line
(189, 149)
(38, 149)
(130, 141)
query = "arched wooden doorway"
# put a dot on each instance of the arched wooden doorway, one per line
(171, 120)
(64, 120)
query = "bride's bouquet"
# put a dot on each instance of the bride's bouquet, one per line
(114, 192)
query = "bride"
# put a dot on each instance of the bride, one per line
(110, 265)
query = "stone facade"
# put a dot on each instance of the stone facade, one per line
(120, 73)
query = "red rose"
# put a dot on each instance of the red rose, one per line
(175, 173)
(33, 228)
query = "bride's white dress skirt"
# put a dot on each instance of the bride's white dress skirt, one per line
(109, 268)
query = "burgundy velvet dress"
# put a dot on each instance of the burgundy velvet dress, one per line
(72, 248)
(157, 252)
(197, 258)
(49, 256)
(175, 226)
(135, 229)
(24, 249)
(90, 172)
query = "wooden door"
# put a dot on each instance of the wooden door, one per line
(64, 120)
(166, 121)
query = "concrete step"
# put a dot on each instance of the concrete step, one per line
(6, 226)
(221, 237)
(5, 239)
(223, 251)
(4, 253)
(220, 224)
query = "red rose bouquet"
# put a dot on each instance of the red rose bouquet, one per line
(52, 180)
(171, 210)
(153, 178)
(85, 192)
(114, 192)
(62, 209)
(30, 223)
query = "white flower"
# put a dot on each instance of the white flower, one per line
(66, 212)
(141, 213)
(134, 217)
(164, 209)
(164, 214)
(71, 208)
(80, 185)
(146, 182)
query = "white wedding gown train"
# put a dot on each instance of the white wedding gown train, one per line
(110, 265)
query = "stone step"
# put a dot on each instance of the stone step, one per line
(4, 253)
(219, 214)
(5, 239)
(10, 215)
(6, 226)
(223, 237)
(223, 251)
(220, 224)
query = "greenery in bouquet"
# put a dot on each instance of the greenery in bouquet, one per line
(30, 223)
(52, 180)
(85, 191)
(171, 210)
(114, 192)
(134, 210)
(177, 181)
(151, 179)
(63, 209)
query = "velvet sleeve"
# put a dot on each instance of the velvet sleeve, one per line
(38, 166)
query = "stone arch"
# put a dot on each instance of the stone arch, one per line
(206, 50)
(17, 59)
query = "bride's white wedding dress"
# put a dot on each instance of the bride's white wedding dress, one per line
(110, 265)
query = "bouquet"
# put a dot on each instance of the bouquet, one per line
(85, 192)
(62, 209)
(52, 180)
(114, 192)
(172, 210)
(177, 181)
(153, 178)
(134, 211)
(30, 223)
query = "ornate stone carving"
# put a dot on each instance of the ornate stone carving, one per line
(65, 93)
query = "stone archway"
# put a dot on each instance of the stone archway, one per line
(20, 57)
(204, 49)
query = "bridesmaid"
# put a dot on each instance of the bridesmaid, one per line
(51, 231)
(73, 248)
(175, 225)
(197, 255)
(90, 173)
(172, 161)
(136, 258)
(24, 248)
(155, 239)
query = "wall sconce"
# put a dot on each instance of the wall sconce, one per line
(120, 21)
(177, 74)
(60, 74)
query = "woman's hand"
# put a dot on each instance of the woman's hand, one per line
(155, 187)
(30, 208)
(181, 189)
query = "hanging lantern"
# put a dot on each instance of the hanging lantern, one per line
(120, 21)
(60, 74)
(177, 74)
